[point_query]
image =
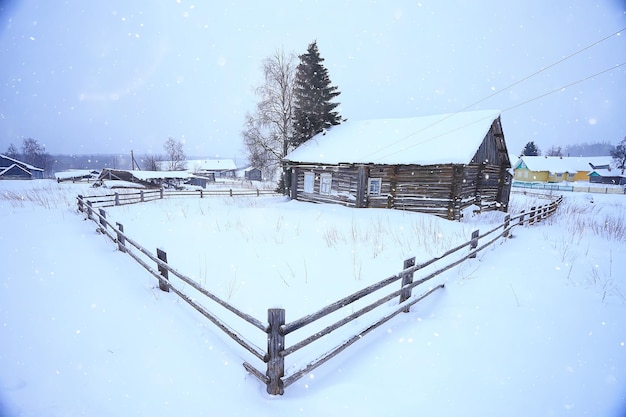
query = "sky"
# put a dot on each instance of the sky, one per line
(85, 77)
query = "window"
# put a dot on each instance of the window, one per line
(373, 186)
(325, 183)
(309, 181)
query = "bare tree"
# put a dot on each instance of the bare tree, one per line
(267, 130)
(12, 151)
(151, 162)
(176, 156)
(35, 154)
(554, 151)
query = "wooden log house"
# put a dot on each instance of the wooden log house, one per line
(439, 165)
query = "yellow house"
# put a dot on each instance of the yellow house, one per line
(557, 168)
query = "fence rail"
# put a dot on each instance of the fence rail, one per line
(595, 188)
(141, 196)
(276, 329)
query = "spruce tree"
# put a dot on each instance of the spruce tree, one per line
(530, 149)
(313, 93)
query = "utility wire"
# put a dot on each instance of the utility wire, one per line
(502, 111)
(511, 86)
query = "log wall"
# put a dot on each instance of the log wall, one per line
(443, 190)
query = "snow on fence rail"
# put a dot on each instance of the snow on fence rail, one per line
(118, 199)
(276, 329)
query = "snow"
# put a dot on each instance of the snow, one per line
(445, 138)
(560, 164)
(534, 326)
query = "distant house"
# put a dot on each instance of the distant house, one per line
(607, 176)
(437, 164)
(557, 168)
(216, 168)
(252, 174)
(12, 169)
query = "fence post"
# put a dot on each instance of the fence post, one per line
(407, 278)
(89, 210)
(521, 217)
(103, 219)
(141, 194)
(201, 194)
(163, 270)
(275, 344)
(161, 193)
(230, 191)
(121, 241)
(533, 214)
(507, 220)
(474, 242)
(117, 199)
(80, 203)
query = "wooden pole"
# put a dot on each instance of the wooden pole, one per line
(80, 203)
(117, 199)
(121, 241)
(474, 242)
(275, 344)
(141, 194)
(103, 219)
(507, 220)
(89, 210)
(407, 278)
(164, 272)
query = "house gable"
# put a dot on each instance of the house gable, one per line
(12, 168)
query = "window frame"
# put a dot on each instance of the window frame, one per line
(372, 181)
(326, 183)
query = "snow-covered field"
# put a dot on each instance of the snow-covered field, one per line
(534, 326)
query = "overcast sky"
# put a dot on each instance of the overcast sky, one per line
(84, 76)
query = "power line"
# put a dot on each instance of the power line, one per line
(534, 74)
(484, 118)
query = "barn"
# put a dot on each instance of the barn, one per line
(12, 169)
(438, 164)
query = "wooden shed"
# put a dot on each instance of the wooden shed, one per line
(436, 164)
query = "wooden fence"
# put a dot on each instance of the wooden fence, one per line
(276, 329)
(141, 196)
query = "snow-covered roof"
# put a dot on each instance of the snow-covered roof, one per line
(562, 164)
(24, 164)
(446, 138)
(608, 173)
(211, 165)
(128, 174)
(74, 173)
(152, 175)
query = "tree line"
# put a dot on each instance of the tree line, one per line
(617, 152)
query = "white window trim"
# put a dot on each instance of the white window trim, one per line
(326, 183)
(369, 185)
(310, 176)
